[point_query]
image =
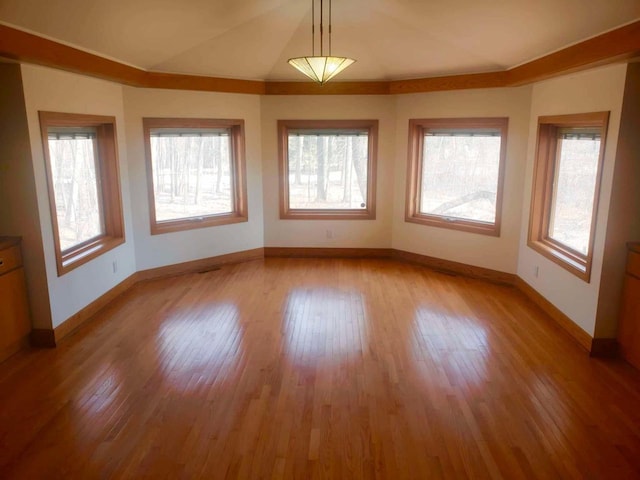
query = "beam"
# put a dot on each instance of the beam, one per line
(617, 45)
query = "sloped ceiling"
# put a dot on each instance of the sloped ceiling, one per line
(252, 39)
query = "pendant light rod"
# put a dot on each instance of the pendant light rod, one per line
(321, 29)
(313, 28)
(329, 27)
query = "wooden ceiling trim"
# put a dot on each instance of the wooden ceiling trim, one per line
(620, 44)
(617, 45)
(331, 88)
(450, 82)
(175, 81)
(28, 48)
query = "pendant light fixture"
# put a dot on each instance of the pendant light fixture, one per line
(320, 68)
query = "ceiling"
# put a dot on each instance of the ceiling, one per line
(252, 39)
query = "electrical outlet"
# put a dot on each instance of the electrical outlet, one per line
(536, 271)
(114, 264)
(329, 234)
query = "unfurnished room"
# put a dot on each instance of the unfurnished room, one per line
(319, 239)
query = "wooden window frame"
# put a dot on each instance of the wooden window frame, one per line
(108, 186)
(286, 212)
(238, 174)
(542, 191)
(417, 130)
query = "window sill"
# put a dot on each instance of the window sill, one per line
(295, 214)
(482, 228)
(72, 260)
(581, 269)
(169, 226)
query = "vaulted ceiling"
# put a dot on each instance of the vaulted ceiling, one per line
(252, 39)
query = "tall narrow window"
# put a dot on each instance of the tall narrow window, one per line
(327, 168)
(84, 186)
(195, 170)
(456, 173)
(566, 187)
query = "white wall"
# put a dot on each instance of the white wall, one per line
(57, 91)
(591, 91)
(313, 233)
(497, 253)
(177, 247)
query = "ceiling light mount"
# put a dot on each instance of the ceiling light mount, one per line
(320, 68)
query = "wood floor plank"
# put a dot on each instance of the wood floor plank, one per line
(318, 368)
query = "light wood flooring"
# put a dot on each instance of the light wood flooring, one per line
(318, 368)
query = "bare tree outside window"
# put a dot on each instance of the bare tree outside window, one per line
(75, 184)
(575, 185)
(83, 182)
(191, 173)
(566, 187)
(460, 175)
(456, 173)
(196, 173)
(327, 171)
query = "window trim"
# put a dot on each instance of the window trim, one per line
(542, 187)
(368, 213)
(417, 129)
(238, 174)
(108, 183)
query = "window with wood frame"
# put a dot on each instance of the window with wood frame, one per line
(566, 188)
(81, 163)
(456, 172)
(327, 169)
(195, 173)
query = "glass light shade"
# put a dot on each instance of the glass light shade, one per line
(321, 69)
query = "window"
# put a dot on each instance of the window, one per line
(81, 164)
(566, 186)
(195, 173)
(327, 168)
(456, 170)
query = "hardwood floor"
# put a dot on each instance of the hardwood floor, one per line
(318, 368)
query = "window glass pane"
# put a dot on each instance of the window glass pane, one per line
(328, 171)
(192, 172)
(75, 185)
(460, 175)
(574, 189)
